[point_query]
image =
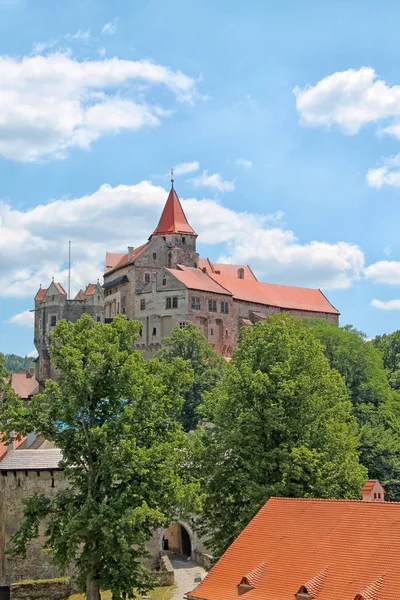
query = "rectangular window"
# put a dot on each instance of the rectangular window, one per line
(224, 307)
(147, 277)
(183, 240)
(182, 325)
(212, 332)
(98, 318)
(154, 256)
(53, 321)
(226, 333)
(142, 304)
(212, 305)
(171, 302)
(164, 281)
(154, 330)
(196, 302)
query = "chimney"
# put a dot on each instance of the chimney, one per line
(130, 252)
(373, 491)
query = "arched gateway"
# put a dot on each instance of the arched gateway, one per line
(178, 538)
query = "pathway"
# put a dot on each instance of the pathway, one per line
(185, 571)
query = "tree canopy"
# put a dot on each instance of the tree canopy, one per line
(367, 368)
(115, 416)
(282, 426)
(190, 344)
(15, 363)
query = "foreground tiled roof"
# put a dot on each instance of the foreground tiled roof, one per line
(24, 384)
(41, 294)
(225, 269)
(173, 219)
(90, 289)
(31, 460)
(270, 294)
(195, 279)
(334, 549)
(112, 259)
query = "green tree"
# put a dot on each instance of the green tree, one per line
(282, 426)
(389, 346)
(15, 363)
(115, 418)
(375, 404)
(190, 344)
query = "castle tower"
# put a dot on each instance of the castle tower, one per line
(179, 236)
(51, 305)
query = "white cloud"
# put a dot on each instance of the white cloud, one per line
(384, 271)
(214, 181)
(79, 35)
(348, 99)
(32, 354)
(244, 162)
(389, 305)
(34, 243)
(388, 174)
(110, 28)
(24, 318)
(51, 103)
(187, 167)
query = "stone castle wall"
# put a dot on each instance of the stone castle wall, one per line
(14, 487)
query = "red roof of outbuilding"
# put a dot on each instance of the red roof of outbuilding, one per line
(24, 384)
(123, 259)
(341, 549)
(270, 294)
(173, 219)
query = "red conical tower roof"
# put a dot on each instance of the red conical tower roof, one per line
(173, 219)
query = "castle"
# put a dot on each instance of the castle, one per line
(164, 284)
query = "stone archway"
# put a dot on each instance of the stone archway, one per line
(178, 539)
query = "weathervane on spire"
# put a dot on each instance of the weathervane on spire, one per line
(172, 177)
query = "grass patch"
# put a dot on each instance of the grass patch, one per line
(159, 593)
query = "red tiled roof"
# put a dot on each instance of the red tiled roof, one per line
(60, 288)
(225, 269)
(80, 295)
(41, 294)
(123, 258)
(195, 279)
(369, 486)
(270, 294)
(24, 384)
(90, 289)
(344, 548)
(112, 259)
(173, 219)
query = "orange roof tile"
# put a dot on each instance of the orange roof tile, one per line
(41, 294)
(195, 279)
(80, 295)
(227, 269)
(173, 219)
(270, 294)
(369, 486)
(341, 549)
(123, 258)
(60, 288)
(24, 384)
(90, 289)
(112, 259)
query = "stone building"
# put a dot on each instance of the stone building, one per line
(27, 468)
(164, 283)
(53, 304)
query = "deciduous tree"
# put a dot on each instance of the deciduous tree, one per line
(115, 418)
(282, 426)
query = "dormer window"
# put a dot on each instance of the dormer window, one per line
(240, 273)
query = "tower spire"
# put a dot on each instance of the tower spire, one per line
(172, 178)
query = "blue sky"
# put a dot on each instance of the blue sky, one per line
(282, 119)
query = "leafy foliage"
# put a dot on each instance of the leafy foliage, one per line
(282, 426)
(375, 404)
(115, 418)
(389, 346)
(190, 344)
(15, 363)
